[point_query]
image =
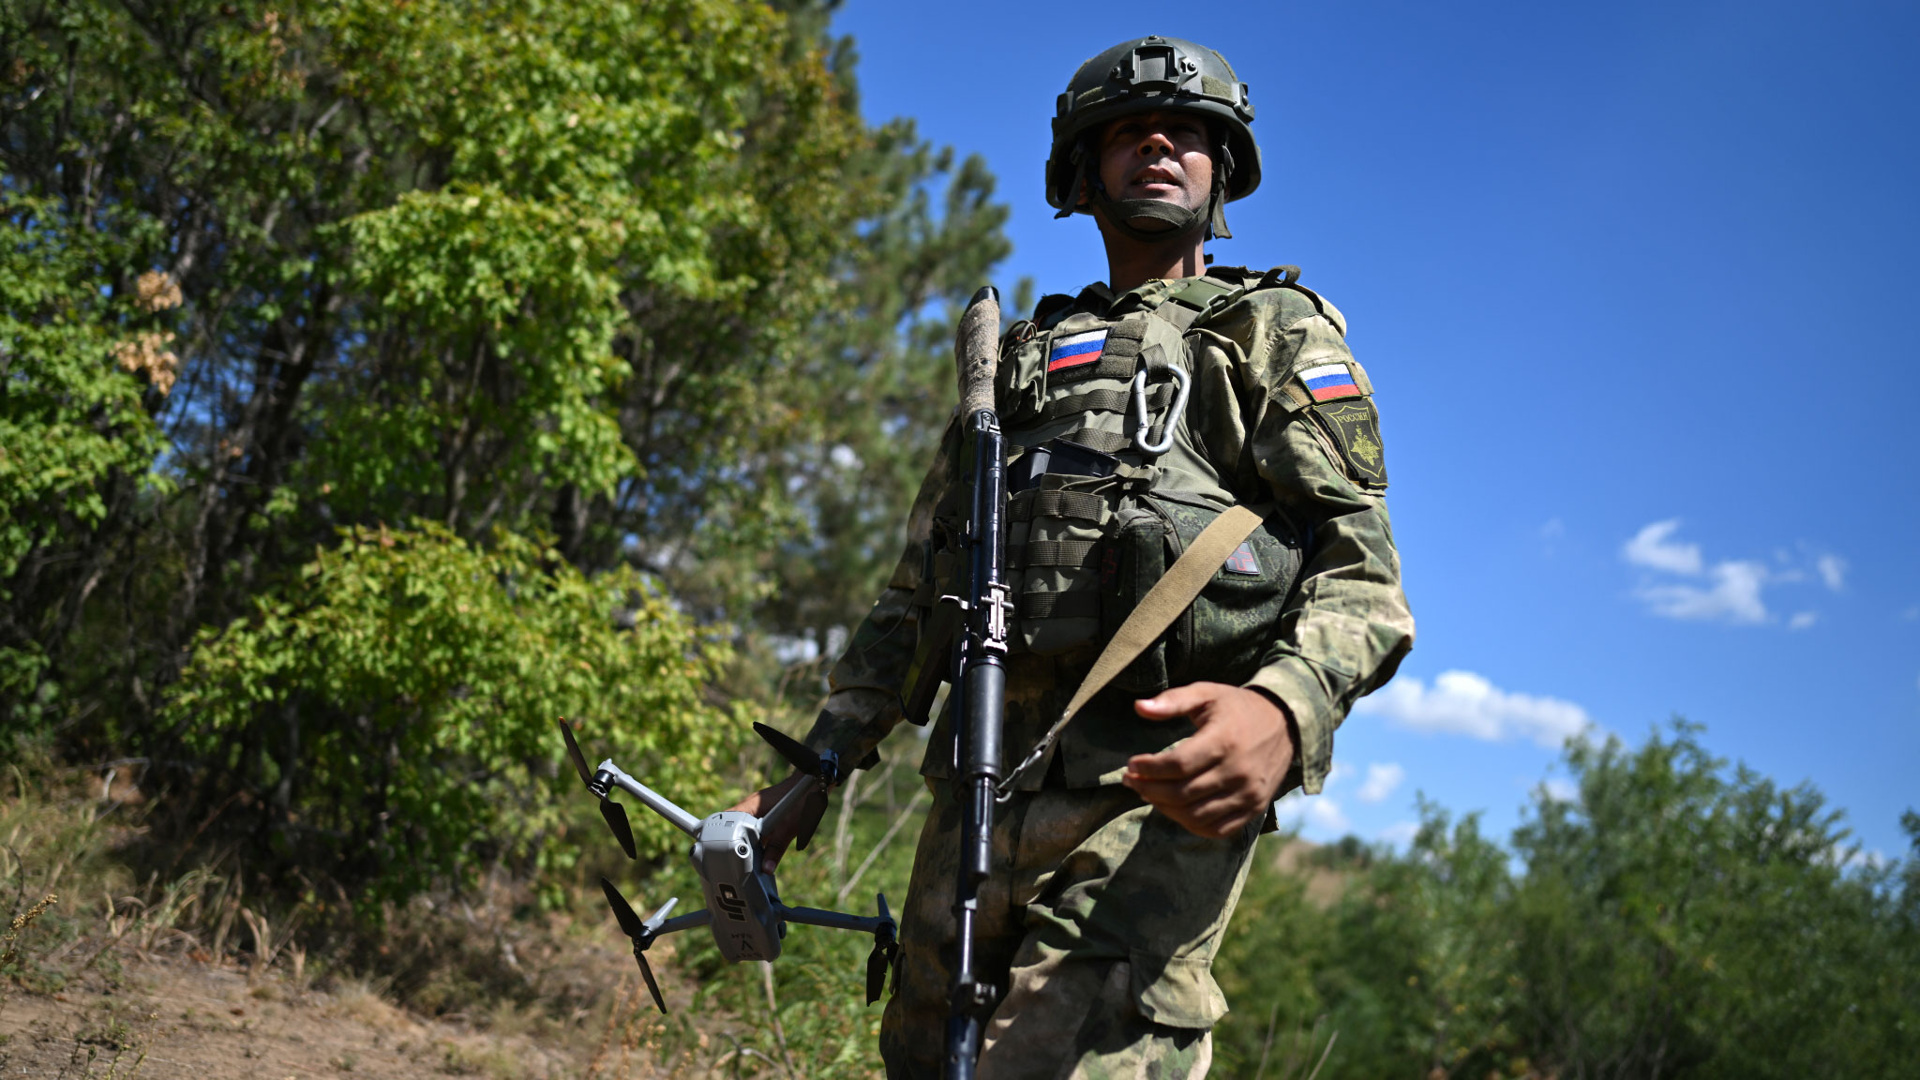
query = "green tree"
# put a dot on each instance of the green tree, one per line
(635, 277)
(76, 437)
(394, 711)
(1679, 920)
(1674, 918)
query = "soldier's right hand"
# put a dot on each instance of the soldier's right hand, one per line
(798, 823)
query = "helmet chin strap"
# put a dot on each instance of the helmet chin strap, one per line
(1122, 213)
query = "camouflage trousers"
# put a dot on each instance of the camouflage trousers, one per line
(1098, 927)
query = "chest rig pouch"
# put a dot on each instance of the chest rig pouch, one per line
(1108, 485)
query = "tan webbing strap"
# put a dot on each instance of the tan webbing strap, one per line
(1172, 594)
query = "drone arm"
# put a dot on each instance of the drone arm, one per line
(653, 800)
(684, 922)
(787, 802)
(838, 920)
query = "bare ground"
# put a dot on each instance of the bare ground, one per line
(164, 1018)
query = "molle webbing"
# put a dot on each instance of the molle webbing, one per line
(1052, 553)
(1080, 505)
(1067, 605)
(1112, 401)
(1196, 296)
(1110, 442)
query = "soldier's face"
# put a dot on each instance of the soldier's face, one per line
(1164, 155)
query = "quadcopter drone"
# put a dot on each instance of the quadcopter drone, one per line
(743, 909)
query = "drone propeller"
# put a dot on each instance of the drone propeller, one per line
(615, 814)
(885, 954)
(822, 767)
(641, 931)
(796, 752)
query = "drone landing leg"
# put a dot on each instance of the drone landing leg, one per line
(886, 939)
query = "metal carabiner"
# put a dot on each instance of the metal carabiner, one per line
(1142, 422)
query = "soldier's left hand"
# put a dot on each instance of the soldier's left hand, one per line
(1223, 776)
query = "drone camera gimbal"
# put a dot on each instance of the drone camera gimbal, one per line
(743, 911)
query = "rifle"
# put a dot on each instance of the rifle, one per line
(979, 674)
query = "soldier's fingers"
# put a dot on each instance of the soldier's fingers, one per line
(1212, 826)
(1179, 701)
(1189, 757)
(1183, 791)
(1223, 816)
(1168, 795)
(771, 850)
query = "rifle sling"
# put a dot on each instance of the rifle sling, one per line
(1172, 594)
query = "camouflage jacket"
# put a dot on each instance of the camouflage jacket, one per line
(1346, 625)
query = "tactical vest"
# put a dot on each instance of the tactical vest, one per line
(1109, 484)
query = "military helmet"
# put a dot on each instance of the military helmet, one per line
(1145, 74)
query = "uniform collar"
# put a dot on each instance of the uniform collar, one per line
(1098, 299)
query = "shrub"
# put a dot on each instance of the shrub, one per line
(387, 720)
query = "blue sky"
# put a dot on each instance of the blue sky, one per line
(1634, 284)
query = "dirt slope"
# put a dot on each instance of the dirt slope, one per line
(184, 1020)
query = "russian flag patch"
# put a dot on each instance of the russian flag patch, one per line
(1076, 350)
(1330, 382)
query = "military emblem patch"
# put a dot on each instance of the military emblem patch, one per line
(1242, 560)
(1356, 431)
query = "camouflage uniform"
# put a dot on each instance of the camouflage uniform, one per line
(1102, 918)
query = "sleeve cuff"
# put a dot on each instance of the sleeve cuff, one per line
(853, 724)
(1292, 682)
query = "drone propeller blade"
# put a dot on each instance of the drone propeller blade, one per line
(630, 923)
(616, 816)
(641, 932)
(885, 954)
(876, 972)
(646, 972)
(573, 751)
(790, 748)
(810, 822)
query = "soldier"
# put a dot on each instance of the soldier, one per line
(1136, 412)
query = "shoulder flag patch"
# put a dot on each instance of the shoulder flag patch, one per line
(1330, 382)
(1076, 350)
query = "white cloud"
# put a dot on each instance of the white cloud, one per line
(1651, 548)
(1316, 814)
(1560, 789)
(1727, 590)
(1382, 779)
(1732, 595)
(1463, 703)
(1833, 571)
(1553, 529)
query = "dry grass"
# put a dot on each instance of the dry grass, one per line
(111, 969)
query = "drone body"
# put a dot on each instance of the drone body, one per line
(744, 911)
(741, 899)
